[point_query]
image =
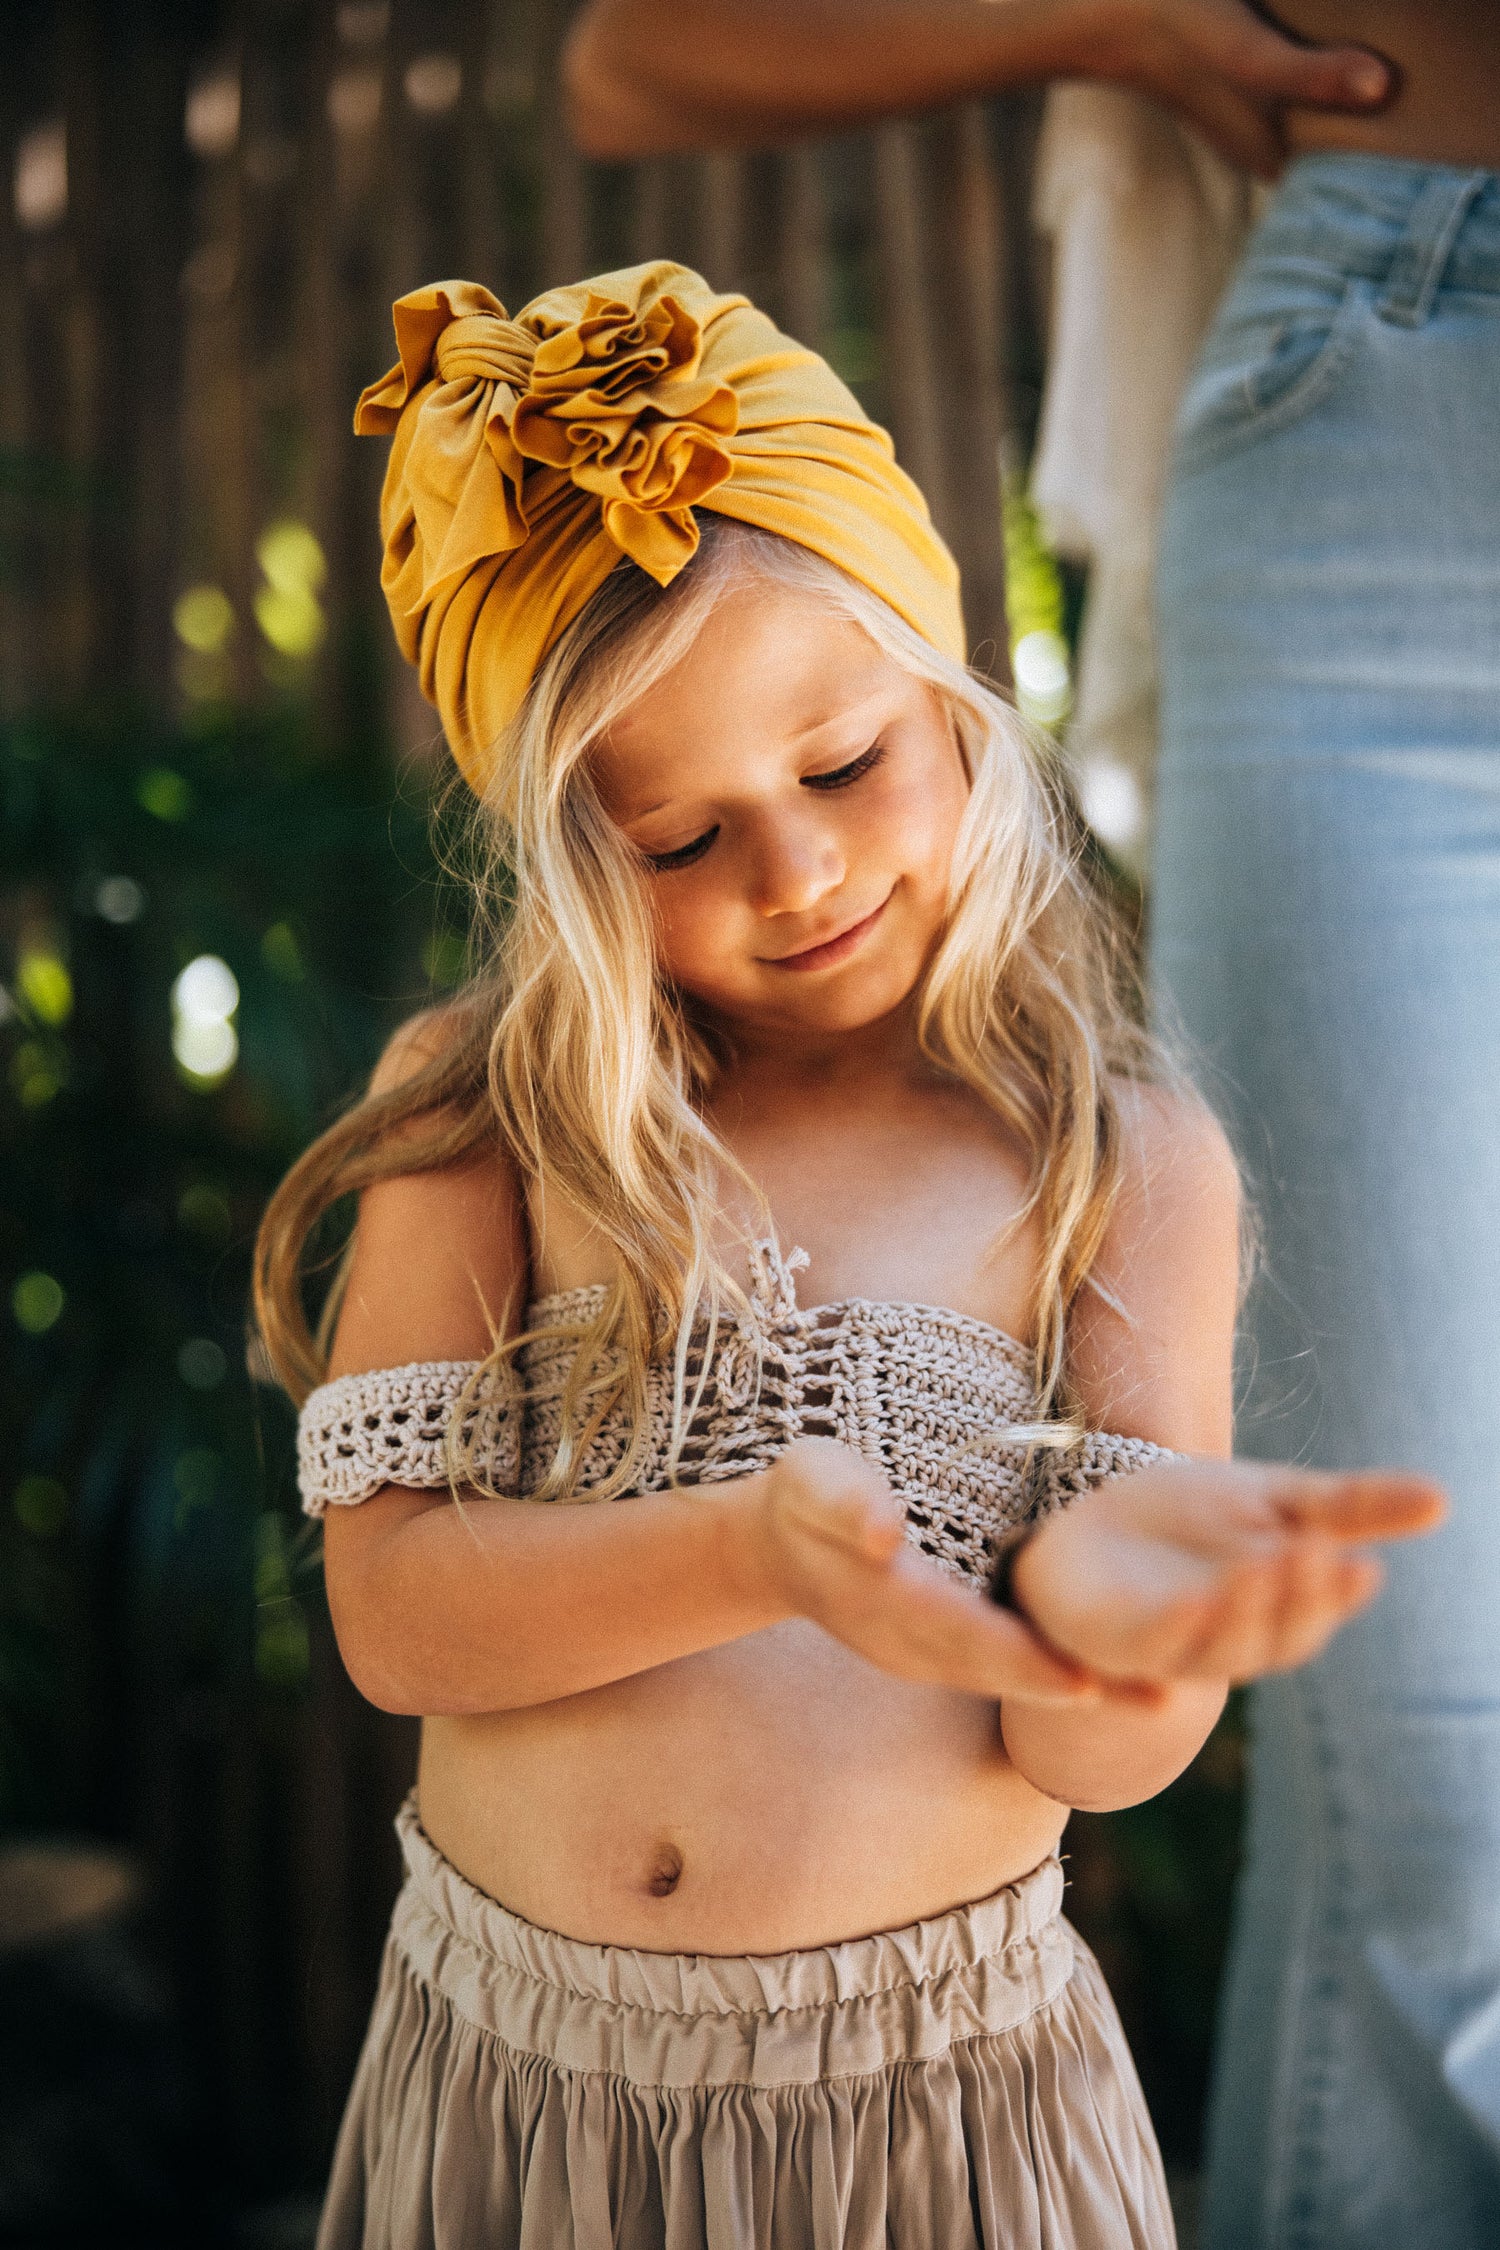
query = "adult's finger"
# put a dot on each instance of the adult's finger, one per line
(1271, 67)
(1241, 129)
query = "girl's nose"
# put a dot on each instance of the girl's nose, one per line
(795, 866)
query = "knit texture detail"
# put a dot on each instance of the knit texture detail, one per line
(942, 1404)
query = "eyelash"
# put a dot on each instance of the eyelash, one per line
(841, 776)
(663, 863)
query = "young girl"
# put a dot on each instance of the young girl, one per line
(793, 1172)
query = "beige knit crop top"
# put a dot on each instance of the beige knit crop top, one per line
(936, 1400)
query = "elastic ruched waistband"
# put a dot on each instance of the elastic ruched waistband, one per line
(699, 2019)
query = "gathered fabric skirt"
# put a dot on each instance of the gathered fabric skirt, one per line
(961, 2082)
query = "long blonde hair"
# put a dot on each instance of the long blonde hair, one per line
(569, 1050)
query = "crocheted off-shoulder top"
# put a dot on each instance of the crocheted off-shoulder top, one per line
(939, 1402)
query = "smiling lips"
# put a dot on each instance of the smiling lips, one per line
(833, 950)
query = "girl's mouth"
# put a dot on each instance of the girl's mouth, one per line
(833, 950)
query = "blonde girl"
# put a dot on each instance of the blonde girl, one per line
(793, 1172)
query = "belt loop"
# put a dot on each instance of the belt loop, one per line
(1422, 253)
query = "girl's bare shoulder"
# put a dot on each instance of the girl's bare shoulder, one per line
(441, 1263)
(1152, 1336)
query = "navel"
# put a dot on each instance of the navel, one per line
(666, 1871)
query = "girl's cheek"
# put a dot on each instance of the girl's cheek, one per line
(919, 822)
(692, 940)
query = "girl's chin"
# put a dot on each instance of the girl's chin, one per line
(824, 1006)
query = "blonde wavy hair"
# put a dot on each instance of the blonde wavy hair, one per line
(568, 1049)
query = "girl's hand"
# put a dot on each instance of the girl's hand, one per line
(1213, 1570)
(833, 1546)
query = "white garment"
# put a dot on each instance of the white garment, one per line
(1146, 223)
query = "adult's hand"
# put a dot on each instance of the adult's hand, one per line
(1227, 71)
(646, 76)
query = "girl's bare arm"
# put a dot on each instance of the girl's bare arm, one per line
(648, 76)
(1179, 1580)
(510, 1602)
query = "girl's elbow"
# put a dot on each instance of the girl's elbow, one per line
(407, 1682)
(389, 1671)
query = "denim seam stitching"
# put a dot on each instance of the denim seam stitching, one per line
(1306, 2171)
(1404, 305)
(1200, 449)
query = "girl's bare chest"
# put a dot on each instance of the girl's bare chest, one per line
(915, 1204)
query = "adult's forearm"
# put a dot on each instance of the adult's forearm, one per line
(1098, 1759)
(648, 76)
(515, 1602)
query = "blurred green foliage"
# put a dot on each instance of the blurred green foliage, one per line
(147, 1482)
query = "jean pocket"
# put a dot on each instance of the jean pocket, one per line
(1264, 368)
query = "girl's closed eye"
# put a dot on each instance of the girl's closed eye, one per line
(684, 855)
(662, 863)
(842, 776)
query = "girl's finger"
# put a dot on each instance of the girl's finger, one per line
(1021, 1668)
(1348, 1585)
(868, 1523)
(969, 1643)
(1375, 1504)
(1241, 1623)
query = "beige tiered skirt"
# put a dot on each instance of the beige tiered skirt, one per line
(961, 2082)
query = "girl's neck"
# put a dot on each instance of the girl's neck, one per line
(765, 1059)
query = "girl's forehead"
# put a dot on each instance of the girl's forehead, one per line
(778, 672)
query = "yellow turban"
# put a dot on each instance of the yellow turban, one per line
(531, 454)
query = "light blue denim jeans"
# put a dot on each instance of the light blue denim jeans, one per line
(1327, 928)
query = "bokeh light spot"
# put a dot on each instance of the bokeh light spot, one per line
(291, 558)
(201, 1364)
(43, 982)
(1044, 682)
(211, 120)
(206, 1047)
(41, 1506)
(433, 83)
(206, 989)
(37, 1301)
(164, 794)
(1112, 802)
(119, 899)
(204, 1212)
(362, 23)
(282, 954)
(39, 183)
(204, 1040)
(203, 619)
(37, 1073)
(291, 619)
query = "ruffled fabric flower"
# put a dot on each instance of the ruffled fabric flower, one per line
(531, 454)
(619, 401)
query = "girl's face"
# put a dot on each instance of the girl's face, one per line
(797, 797)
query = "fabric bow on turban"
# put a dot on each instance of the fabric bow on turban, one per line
(531, 454)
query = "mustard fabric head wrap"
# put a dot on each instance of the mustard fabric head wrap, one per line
(531, 454)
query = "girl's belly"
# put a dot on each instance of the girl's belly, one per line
(773, 1794)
